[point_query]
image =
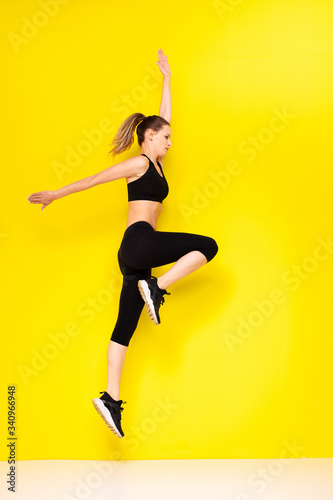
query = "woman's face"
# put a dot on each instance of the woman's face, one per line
(161, 140)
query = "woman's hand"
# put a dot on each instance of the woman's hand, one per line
(163, 63)
(45, 197)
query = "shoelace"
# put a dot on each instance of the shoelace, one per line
(120, 407)
(160, 296)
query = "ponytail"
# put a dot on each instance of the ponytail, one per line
(124, 138)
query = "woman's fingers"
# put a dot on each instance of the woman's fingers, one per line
(34, 198)
(161, 56)
(163, 63)
(44, 197)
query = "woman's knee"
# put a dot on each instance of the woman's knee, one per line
(211, 248)
(121, 336)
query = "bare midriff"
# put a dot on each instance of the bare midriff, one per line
(143, 210)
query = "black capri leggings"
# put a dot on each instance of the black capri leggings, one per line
(141, 249)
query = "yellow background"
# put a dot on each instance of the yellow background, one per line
(197, 386)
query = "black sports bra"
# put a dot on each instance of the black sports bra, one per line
(150, 186)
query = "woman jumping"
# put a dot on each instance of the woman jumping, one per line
(142, 247)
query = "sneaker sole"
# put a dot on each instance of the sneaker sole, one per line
(106, 416)
(145, 294)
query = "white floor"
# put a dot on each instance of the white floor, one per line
(264, 479)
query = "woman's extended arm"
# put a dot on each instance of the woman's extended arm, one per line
(165, 106)
(126, 168)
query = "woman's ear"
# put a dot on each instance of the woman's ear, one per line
(149, 134)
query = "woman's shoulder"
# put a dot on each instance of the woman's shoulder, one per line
(142, 164)
(142, 161)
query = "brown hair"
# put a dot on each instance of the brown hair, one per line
(124, 138)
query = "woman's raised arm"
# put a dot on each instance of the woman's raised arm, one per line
(165, 106)
(126, 168)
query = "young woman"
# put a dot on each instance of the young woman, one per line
(142, 247)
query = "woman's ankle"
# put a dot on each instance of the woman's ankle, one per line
(114, 395)
(160, 285)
